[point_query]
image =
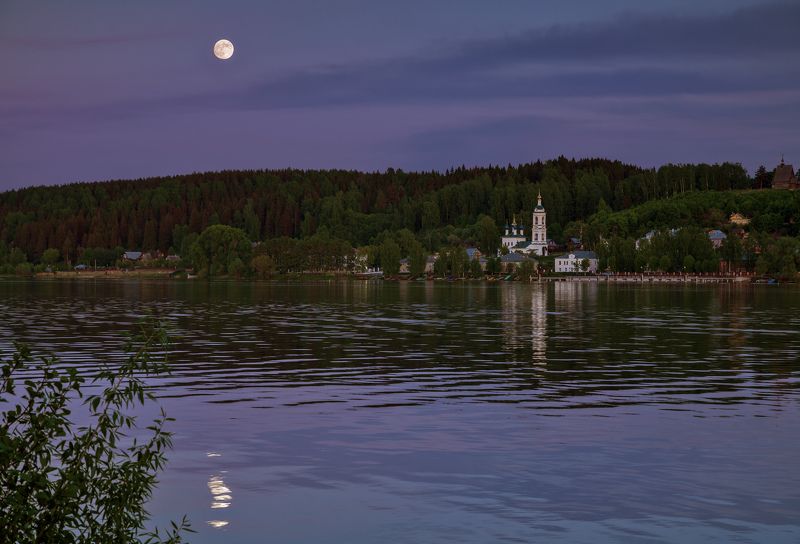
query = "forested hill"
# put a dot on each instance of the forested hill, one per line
(156, 213)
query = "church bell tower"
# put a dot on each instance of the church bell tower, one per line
(539, 229)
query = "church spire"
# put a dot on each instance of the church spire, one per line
(539, 199)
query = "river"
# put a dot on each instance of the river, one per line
(361, 412)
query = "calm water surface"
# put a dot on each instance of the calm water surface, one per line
(371, 412)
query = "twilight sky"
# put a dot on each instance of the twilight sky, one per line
(93, 90)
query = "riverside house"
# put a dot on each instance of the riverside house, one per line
(573, 262)
(513, 261)
(132, 256)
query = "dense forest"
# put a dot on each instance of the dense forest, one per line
(83, 221)
(764, 240)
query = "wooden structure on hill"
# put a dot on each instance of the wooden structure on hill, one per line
(785, 177)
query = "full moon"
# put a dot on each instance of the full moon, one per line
(223, 49)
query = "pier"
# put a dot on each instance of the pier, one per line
(651, 278)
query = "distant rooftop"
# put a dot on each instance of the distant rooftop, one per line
(784, 173)
(739, 219)
(717, 235)
(582, 254)
(514, 258)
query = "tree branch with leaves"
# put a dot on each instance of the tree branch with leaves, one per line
(60, 482)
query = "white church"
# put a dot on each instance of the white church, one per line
(514, 238)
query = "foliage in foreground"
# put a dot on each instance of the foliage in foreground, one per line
(89, 484)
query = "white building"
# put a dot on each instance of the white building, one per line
(514, 238)
(573, 262)
(513, 235)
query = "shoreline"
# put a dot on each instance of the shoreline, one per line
(167, 274)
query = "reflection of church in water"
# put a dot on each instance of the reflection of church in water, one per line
(525, 314)
(525, 318)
